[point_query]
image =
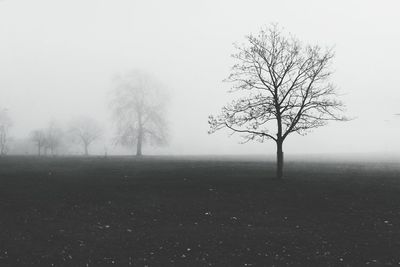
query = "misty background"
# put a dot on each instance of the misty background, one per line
(58, 59)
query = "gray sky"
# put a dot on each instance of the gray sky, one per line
(58, 59)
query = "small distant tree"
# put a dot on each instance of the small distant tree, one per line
(53, 139)
(39, 138)
(85, 131)
(138, 107)
(5, 125)
(283, 88)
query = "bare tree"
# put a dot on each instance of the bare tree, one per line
(138, 106)
(85, 131)
(53, 138)
(284, 88)
(39, 138)
(5, 124)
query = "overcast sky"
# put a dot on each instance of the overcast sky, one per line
(57, 60)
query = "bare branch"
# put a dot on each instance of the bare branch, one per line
(287, 88)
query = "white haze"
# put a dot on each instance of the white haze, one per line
(57, 60)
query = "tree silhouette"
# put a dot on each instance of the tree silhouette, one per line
(54, 136)
(5, 125)
(39, 138)
(85, 131)
(283, 88)
(138, 107)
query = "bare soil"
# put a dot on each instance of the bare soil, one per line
(171, 211)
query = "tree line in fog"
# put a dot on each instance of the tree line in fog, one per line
(138, 107)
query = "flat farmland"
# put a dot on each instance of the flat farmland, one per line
(197, 211)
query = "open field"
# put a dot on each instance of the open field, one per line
(170, 211)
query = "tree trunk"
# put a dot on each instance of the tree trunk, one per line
(86, 150)
(279, 159)
(39, 147)
(139, 143)
(140, 134)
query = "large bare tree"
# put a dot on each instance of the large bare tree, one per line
(283, 87)
(85, 131)
(5, 124)
(138, 106)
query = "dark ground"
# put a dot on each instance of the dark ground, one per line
(166, 211)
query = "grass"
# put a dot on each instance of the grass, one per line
(171, 211)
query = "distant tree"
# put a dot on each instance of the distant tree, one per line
(283, 88)
(5, 125)
(53, 139)
(85, 131)
(39, 138)
(138, 107)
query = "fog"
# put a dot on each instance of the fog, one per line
(58, 59)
